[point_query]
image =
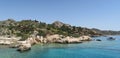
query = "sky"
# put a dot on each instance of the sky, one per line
(101, 14)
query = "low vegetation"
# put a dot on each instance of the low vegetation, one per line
(27, 28)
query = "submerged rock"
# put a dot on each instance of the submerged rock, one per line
(94, 35)
(98, 40)
(111, 38)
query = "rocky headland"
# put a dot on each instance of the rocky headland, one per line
(23, 34)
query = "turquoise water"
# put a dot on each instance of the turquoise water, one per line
(92, 49)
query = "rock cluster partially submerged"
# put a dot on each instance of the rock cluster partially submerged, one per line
(68, 40)
(26, 45)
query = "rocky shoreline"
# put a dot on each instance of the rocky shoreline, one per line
(26, 45)
(33, 32)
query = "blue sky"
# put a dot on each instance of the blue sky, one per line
(101, 14)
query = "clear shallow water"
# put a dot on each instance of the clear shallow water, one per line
(92, 49)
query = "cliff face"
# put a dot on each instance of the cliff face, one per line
(27, 28)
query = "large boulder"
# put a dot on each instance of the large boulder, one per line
(32, 41)
(85, 38)
(24, 47)
(52, 38)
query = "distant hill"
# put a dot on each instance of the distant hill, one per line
(26, 28)
(106, 32)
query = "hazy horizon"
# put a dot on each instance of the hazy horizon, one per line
(100, 14)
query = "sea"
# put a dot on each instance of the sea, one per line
(89, 49)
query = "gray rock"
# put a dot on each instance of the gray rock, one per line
(111, 38)
(24, 47)
(98, 40)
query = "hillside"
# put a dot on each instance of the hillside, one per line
(27, 28)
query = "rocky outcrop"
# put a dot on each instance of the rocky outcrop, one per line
(4, 40)
(85, 38)
(56, 39)
(74, 40)
(24, 47)
(53, 38)
(59, 24)
(68, 40)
